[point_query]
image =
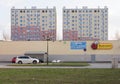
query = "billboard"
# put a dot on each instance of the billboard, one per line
(75, 45)
(105, 46)
(101, 46)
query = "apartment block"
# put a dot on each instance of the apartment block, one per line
(85, 23)
(33, 24)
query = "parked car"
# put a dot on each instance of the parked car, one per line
(56, 61)
(41, 61)
(24, 59)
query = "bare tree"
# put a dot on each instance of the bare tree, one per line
(6, 37)
(117, 35)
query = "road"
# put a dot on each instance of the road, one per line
(92, 65)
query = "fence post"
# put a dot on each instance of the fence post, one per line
(93, 56)
(114, 62)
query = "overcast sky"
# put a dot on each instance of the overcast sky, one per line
(113, 12)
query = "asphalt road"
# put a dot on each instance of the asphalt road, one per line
(92, 65)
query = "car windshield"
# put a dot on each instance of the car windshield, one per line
(24, 57)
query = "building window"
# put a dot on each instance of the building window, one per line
(12, 14)
(42, 11)
(95, 11)
(83, 22)
(42, 16)
(38, 11)
(80, 26)
(28, 15)
(34, 22)
(12, 19)
(43, 28)
(106, 14)
(79, 11)
(76, 11)
(28, 11)
(105, 10)
(67, 11)
(64, 22)
(80, 15)
(43, 21)
(38, 22)
(72, 11)
(16, 23)
(20, 24)
(38, 14)
(16, 11)
(20, 11)
(12, 11)
(49, 26)
(24, 11)
(49, 11)
(105, 18)
(12, 22)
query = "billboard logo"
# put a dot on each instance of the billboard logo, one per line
(101, 46)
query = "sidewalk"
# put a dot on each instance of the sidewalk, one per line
(101, 65)
(92, 65)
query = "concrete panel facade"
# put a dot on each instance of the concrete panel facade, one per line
(54, 48)
(58, 50)
(20, 47)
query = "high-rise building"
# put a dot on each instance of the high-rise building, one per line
(85, 23)
(33, 24)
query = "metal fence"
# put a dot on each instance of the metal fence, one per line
(73, 58)
(85, 57)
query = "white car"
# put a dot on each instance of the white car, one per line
(24, 59)
(56, 61)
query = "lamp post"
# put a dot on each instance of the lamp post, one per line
(47, 49)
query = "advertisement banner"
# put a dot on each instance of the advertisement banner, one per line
(75, 45)
(101, 46)
(105, 46)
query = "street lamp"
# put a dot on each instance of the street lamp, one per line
(48, 39)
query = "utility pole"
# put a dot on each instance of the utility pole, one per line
(47, 50)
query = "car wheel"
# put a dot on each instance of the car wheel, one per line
(19, 62)
(34, 62)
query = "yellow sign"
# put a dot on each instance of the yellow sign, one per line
(104, 46)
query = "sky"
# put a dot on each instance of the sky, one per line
(113, 12)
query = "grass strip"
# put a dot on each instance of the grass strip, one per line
(53, 64)
(59, 76)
